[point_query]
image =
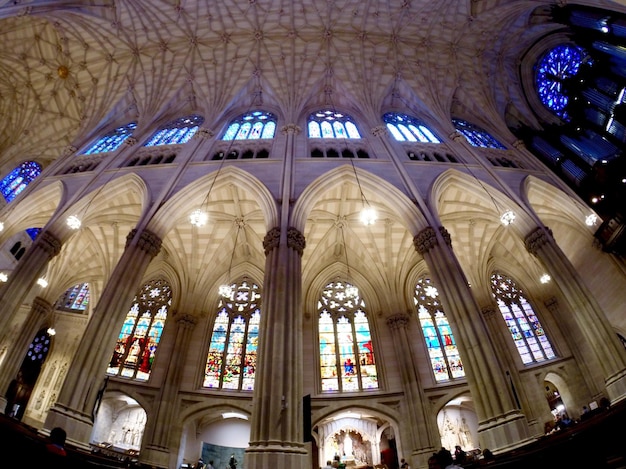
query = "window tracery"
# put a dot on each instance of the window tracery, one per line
(476, 136)
(253, 126)
(112, 140)
(332, 124)
(178, 131)
(405, 128)
(17, 180)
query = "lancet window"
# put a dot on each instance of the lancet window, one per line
(137, 342)
(442, 348)
(232, 357)
(408, 129)
(346, 350)
(529, 336)
(476, 136)
(112, 140)
(176, 132)
(75, 298)
(17, 180)
(252, 126)
(332, 124)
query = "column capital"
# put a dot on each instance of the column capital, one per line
(425, 240)
(295, 240)
(489, 311)
(49, 243)
(148, 241)
(537, 238)
(446, 236)
(41, 306)
(398, 321)
(271, 240)
(291, 129)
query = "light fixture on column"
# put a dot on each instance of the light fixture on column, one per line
(42, 282)
(51, 330)
(545, 278)
(226, 289)
(3, 277)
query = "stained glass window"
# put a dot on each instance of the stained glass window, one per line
(75, 298)
(17, 180)
(331, 124)
(476, 136)
(442, 349)
(252, 126)
(178, 131)
(231, 361)
(557, 65)
(141, 332)
(529, 336)
(33, 232)
(346, 349)
(112, 140)
(38, 348)
(408, 129)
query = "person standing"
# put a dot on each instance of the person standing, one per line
(209, 465)
(232, 464)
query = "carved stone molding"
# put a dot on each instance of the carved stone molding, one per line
(291, 129)
(425, 240)
(49, 243)
(380, 131)
(295, 240)
(398, 321)
(489, 311)
(446, 236)
(271, 240)
(456, 136)
(536, 239)
(551, 303)
(203, 133)
(41, 306)
(186, 320)
(130, 141)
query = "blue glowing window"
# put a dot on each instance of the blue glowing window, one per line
(331, 124)
(558, 64)
(408, 129)
(476, 136)
(256, 125)
(112, 140)
(17, 180)
(176, 132)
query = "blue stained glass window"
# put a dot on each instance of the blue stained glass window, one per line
(137, 342)
(442, 349)
(408, 129)
(232, 357)
(176, 132)
(559, 63)
(252, 126)
(112, 140)
(529, 337)
(346, 349)
(476, 136)
(331, 124)
(33, 232)
(17, 180)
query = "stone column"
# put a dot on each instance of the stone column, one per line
(156, 452)
(423, 435)
(73, 409)
(17, 351)
(501, 424)
(22, 279)
(276, 436)
(603, 353)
